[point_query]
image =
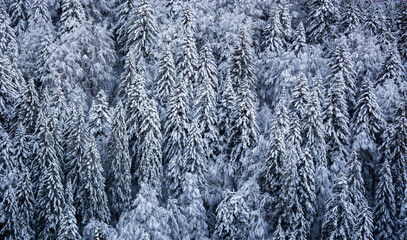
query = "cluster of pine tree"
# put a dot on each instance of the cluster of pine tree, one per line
(218, 119)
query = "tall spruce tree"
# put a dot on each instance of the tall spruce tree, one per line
(119, 180)
(165, 78)
(353, 17)
(99, 120)
(322, 19)
(299, 39)
(76, 142)
(226, 107)
(385, 207)
(175, 136)
(68, 227)
(206, 104)
(26, 107)
(314, 136)
(188, 63)
(356, 183)
(341, 63)
(9, 221)
(336, 120)
(137, 98)
(390, 84)
(142, 31)
(91, 196)
(244, 130)
(276, 153)
(25, 205)
(50, 198)
(289, 206)
(339, 218)
(150, 169)
(18, 15)
(122, 15)
(363, 229)
(274, 34)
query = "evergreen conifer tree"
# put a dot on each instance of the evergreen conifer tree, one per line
(339, 218)
(50, 198)
(322, 19)
(299, 39)
(9, 221)
(142, 31)
(274, 34)
(353, 17)
(25, 205)
(165, 78)
(336, 120)
(99, 120)
(363, 229)
(175, 136)
(150, 167)
(122, 15)
(244, 130)
(341, 62)
(77, 140)
(390, 84)
(276, 152)
(385, 208)
(68, 226)
(119, 180)
(91, 196)
(226, 109)
(207, 102)
(19, 15)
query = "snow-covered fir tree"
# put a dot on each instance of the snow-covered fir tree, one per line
(68, 227)
(295, 218)
(27, 106)
(50, 197)
(122, 15)
(274, 34)
(244, 131)
(390, 84)
(363, 228)
(368, 124)
(188, 63)
(339, 218)
(336, 121)
(322, 19)
(194, 210)
(9, 221)
(226, 107)
(39, 25)
(119, 176)
(352, 18)
(99, 120)
(91, 196)
(356, 183)
(165, 78)
(147, 218)
(299, 39)
(137, 98)
(76, 145)
(150, 169)
(385, 226)
(175, 136)
(142, 31)
(341, 63)
(25, 206)
(276, 154)
(206, 104)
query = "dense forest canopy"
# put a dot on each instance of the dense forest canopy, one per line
(215, 119)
